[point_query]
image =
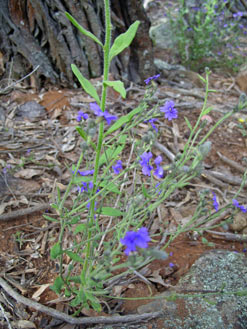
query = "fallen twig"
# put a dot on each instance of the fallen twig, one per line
(24, 212)
(228, 236)
(232, 163)
(70, 319)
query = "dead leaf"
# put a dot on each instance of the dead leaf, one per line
(13, 204)
(118, 290)
(40, 291)
(56, 113)
(28, 173)
(156, 277)
(23, 324)
(61, 186)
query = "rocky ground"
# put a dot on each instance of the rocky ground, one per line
(38, 142)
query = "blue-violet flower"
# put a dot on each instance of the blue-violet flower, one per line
(215, 202)
(151, 78)
(97, 111)
(169, 110)
(81, 115)
(117, 167)
(144, 162)
(236, 204)
(159, 170)
(151, 121)
(138, 239)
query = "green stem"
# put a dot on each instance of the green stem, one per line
(227, 115)
(106, 49)
(70, 184)
(188, 147)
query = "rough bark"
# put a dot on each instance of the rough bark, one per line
(36, 32)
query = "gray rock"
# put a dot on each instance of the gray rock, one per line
(30, 110)
(161, 34)
(213, 271)
(164, 66)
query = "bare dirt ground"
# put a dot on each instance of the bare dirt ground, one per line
(37, 152)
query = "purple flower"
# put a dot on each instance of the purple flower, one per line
(151, 121)
(117, 167)
(138, 239)
(144, 162)
(151, 78)
(109, 117)
(8, 166)
(86, 172)
(97, 111)
(157, 188)
(159, 170)
(236, 204)
(85, 186)
(171, 264)
(215, 202)
(81, 115)
(169, 110)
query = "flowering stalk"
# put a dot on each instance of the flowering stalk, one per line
(106, 50)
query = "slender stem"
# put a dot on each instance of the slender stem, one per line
(227, 115)
(70, 184)
(106, 49)
(188, 147)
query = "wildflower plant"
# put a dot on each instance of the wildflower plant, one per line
(208, 35)
(107, 218)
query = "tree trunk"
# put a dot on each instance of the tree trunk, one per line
(37, 33)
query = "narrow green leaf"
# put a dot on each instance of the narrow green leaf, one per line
(207, 110)
(85, 83)
(57, 285)
(51, 219)
(67, 293)
(124, 119)
(94, 302)
(74, 256)
(78, 179)
(74, 220)
(110, 187)
(203, 80)
(76, 279)
(188, 123)
(145, 192)
(82, 30)
(80, 228)
(83, 134)
(123, 40)
(56, 250)
(76, 301)
(54, 206)
(118, 86)
(112, 152)
(109, 211)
